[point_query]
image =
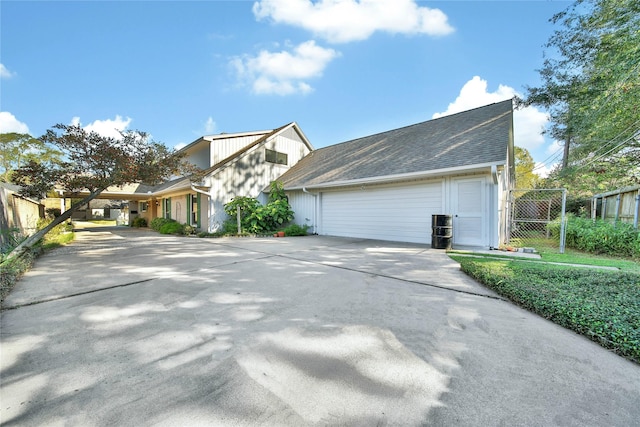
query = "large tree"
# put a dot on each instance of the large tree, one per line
(17, 149)
(591, 87)
(93, 163)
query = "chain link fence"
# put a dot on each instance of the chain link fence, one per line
(537, 218)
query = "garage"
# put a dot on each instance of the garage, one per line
(394, 212)
(387, 186)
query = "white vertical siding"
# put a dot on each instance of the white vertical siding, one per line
(250, 175)
(397, 213)
(304, 208)
(223, 148)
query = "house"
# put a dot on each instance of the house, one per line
(236, 164)
(387, 186)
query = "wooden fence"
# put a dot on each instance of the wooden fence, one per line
(17, 213)
(621, 205)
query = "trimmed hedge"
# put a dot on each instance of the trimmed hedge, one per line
(157, 223)
(602, 305)
(139, 222)
(172, 227)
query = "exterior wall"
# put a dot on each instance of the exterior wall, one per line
(223, 148)
(250, 175)
(304, 206)
(502, 219)
(18, 212)
(179, 208)
(396, 212)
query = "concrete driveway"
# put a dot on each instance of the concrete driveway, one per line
(131, 328)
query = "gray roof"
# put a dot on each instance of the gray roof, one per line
(476, 137)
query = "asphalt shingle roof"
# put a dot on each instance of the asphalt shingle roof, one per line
(473, 137)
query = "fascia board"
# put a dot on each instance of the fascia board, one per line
(402, 177)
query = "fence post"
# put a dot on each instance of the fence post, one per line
(563, 228)
(635, 214)
(238, 219)
(617, 215)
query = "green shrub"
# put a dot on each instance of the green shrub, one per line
(157, 223)
(604, 306)
(259, 219)
(53, 212)
(63, 227)
(205, 234)
(599, 237)
(296, 230)
(188, 230)
(230, 226)
(12, 270)
(172, 227)
(11, 238)
(139, 222)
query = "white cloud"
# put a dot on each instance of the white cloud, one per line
(284, 72)
(542, 170)
(108, 128)
(180, 145)
(342, 21)
(209, 126)
(528, 123)
(5, 73)
(9, 124)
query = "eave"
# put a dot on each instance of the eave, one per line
(413, 176)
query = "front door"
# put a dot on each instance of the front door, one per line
(469, 211)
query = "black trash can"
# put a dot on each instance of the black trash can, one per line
(441, 231)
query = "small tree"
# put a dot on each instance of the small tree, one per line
(93, 163)
(257, 218)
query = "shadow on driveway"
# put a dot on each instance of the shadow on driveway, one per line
(129, 327)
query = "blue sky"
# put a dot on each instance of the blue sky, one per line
(341, 69)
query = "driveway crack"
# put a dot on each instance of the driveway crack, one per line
(122, 285)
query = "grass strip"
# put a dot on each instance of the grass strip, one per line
(601, 305)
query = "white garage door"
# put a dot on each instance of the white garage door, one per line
(398, 213)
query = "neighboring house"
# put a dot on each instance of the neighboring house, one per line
(237, 164)
(17, 213)
(387, 186)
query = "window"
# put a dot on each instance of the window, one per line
(144, 206)
(272, 156)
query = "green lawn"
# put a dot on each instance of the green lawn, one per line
(603, 305)
(108, 222)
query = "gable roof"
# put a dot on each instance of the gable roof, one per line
(262, 134)
(460, 141)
